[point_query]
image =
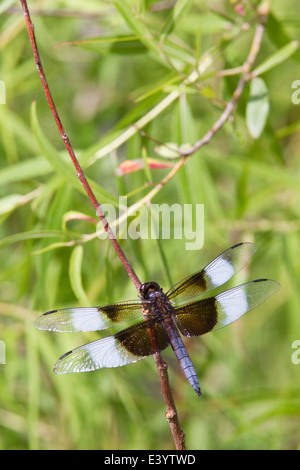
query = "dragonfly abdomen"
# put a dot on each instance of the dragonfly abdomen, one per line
(182, 355)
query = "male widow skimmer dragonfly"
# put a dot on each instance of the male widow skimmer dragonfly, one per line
(162, 317)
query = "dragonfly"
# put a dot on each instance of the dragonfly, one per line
(164, 317)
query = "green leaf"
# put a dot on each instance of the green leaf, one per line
(257, 109)
(277, 58)
(75, 275)
(288, 130)
(171, 150)
(6, 4)
(139, 28)
(148, 174)
(28, 169)
(29, 235)
(63, 166)
(53, 246)
(9, 203)
(51, 154)
(277, 34)
(112, 45)
(180, 9)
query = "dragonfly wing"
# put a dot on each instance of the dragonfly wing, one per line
(88, 319)
(127, 346)
(235, 302)
(200, 317)
(215, 274)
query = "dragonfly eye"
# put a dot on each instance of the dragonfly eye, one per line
(149, 288)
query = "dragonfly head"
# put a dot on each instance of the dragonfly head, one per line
(149, 288)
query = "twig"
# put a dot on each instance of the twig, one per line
(137, 126)
(203, 65)
(246, 75)
(171, 413)
(69, 148)
(246, 68)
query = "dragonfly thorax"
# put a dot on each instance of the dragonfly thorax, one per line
(160, 305)
(149, 289)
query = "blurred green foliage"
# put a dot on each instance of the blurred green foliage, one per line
(126, 57)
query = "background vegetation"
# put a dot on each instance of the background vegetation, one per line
(250, 188)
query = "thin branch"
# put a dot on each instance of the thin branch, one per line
(171, 413)
(69, 148)
(200, 69)
(246, 68)
(203, 65)
(246, 75)
(206, 61)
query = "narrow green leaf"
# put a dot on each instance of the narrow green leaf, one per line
(64, 166)
(288, 130)
(18, 237)
(28, 169)
(75, 275)
(147, 169)
(277, 58)
(13, 201)
(180, 9)
(171, 150)
(6, 4)
(9, 203)
(257, 109)
(53, 246)
(138, 27)
(112, 45)
(53, 157)
(277, 33)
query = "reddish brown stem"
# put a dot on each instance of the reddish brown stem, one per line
(171, 413)
(69, 148)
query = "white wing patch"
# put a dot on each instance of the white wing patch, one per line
(106, 352)
(72, 320)
(220, 272)
(235, 302)
(88, 319)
